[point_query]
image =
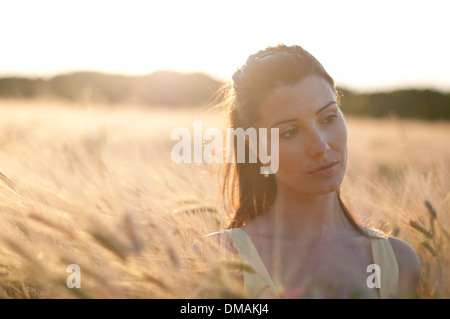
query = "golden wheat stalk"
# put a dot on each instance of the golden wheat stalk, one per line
(160, 283)
(430, 209)
(420, 228)
(112, 243)
(39, 218)
(429, 248)
(7, 181)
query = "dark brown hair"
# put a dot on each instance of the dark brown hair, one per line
(249, 192)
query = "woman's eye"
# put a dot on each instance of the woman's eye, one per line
(330, 118)
(289, 133)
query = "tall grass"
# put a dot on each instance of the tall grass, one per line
(96, 187)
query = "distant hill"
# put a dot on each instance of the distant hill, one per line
(159, 88)
(172, 89)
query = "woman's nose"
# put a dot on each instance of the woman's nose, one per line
(317, 143)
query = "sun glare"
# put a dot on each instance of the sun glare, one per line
(361, 45)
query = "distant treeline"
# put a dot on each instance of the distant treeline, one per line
(174, 89)
(160, 88)
(420, 104)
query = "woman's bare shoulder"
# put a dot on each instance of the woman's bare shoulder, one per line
(409, 267)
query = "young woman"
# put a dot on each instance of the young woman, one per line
(292, 227)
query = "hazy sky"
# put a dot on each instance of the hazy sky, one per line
(364, 45)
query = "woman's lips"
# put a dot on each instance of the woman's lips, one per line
(324, 169)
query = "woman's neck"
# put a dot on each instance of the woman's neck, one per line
(318, 216)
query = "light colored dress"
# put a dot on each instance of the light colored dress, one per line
(260, 285)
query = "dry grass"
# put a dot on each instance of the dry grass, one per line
(96, 187)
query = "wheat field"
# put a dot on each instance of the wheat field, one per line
(95, 186)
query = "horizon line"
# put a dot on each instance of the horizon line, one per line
(347, 87)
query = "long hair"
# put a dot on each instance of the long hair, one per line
(247, 191)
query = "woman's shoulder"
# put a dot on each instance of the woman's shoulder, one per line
(408, 265)
(408, 262)
(404, 251)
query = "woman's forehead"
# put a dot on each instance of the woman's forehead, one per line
(308, 96)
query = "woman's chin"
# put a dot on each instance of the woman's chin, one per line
(323, 189)
(314, 186)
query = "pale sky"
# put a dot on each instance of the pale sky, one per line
(364, 45)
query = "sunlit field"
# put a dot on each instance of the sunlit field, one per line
(95, 186)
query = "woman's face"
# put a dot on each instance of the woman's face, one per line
(312, 136)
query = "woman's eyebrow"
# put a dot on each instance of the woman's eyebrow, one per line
(295, 119)
(284, 121)
(324, 107)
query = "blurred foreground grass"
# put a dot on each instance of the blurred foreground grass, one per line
(96, 187)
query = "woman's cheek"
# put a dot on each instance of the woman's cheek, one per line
(289, 162)
(339, 136)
